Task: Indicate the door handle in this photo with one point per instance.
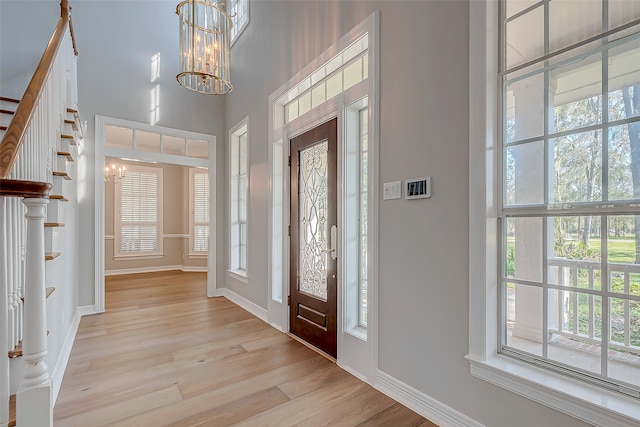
(332, 251)
(332, 243)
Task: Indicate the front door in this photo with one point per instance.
(314, 265)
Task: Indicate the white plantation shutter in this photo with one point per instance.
(200, 206)
(138, 216)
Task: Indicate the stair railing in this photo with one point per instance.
(27, 152)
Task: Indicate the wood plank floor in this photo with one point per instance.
(166, 355)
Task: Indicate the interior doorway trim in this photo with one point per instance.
(357, 354)
(102, 151)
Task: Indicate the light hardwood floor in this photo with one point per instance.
(166, 355)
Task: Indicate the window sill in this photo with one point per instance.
(238, 275)
(154, 255)
(358, 332)
(575, 398)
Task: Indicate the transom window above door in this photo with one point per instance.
(155, 142)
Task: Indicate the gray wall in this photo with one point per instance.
(424, 244)
(423, 131)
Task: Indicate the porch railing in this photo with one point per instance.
(576, 319)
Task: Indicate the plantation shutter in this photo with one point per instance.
(200, 212)
(139, 212)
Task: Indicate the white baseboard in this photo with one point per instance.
(87, 310)
(65, 353)
(244, 303)
(193, 268)
(160, 268)
(141, 270)
(428, 407)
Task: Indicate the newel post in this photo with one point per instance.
(34, 399)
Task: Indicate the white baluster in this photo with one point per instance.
(4, 316)
(34, 399)
(11, 277)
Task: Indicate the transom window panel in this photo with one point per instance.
(570, 193)
(139, 212)
(199, 218)
(337, 75)
(238, 198)
(153, 142)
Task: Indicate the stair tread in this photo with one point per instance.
(65, 175)
(3, 111)
(3, 128)
(58, 197)
(71, 110)
(54, 224)
(49, 292)
(12, 411)
(4, 98)
(51, 255)
(16, 352)
(71, 138)
(67, 155)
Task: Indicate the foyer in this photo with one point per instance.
(163, 354)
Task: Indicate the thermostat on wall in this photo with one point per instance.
(417, 188)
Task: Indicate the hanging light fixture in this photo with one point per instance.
(114, 173)
(204, 47)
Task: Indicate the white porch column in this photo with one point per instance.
(34, 398)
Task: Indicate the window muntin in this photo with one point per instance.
(199, 211)
(569, 202)
(239, 188)
(138, 213)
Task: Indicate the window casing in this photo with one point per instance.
(238, 199)
(138, 213)
(569, 193)
(198, 211)
(238, 10)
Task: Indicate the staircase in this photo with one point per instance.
(39, 139)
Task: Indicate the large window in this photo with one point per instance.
(138, 204)
(238, 197)
(569, 205)
(199, 211)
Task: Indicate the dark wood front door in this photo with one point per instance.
(314, 266)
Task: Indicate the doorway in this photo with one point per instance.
(313, 237)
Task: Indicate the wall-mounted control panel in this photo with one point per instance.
(392, 190)
(417, 188)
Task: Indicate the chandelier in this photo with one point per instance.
(114, 173)
(204, 47)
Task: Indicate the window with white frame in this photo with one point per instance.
(238, 197)
(138, 212)
(199, 211)
(238, 10)
(569, 186)
(364, 215)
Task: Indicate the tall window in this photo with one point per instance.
(364, 228)
(569, 215)
(238, 10)
(138, 213)
(238, 197)
(199, 211)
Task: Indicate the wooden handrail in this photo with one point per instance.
(17, 129)
(28, 189)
